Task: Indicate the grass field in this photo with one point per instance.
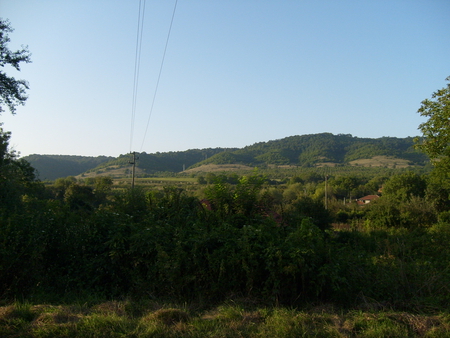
(151, 319)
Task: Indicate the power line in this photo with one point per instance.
(159, 75)
(137, 62)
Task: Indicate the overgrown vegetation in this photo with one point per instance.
(248, 238)
(238, 319)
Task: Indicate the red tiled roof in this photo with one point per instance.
(369, 198)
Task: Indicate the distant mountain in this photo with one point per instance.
(51, 167)
(305, 150)
(174, 161)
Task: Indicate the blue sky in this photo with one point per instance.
(236, 72)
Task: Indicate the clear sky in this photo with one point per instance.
(236, 72)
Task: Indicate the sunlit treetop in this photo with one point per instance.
(12, 91)
(436, 131)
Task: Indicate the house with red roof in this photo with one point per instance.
(367, 199)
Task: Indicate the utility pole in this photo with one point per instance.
(326, 192)
(134, 169)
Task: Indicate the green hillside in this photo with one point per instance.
(173, 161)
(311, 150)
(301, 150)
(51, 167)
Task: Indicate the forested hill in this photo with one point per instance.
(173, 161)
(304, 150)
(51, 167)
(315, 149)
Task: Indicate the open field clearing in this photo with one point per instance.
(156, 181)
(112, 171)
(381, 161)
(163, 179)
(218, 168)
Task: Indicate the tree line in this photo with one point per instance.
(247, 239)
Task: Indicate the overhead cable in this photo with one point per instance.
(159, 75)
(137, 61)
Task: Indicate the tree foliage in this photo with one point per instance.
(403, 187)
(167, 244)
(52, 167)
(17, 177)
(436, 130)
(12, 91)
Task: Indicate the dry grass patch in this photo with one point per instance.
(381, 161)
(5, 312)
(58, 320)
(61, 316)
(112, 307)
(19, 311)
(418, 324)
(169, 317)
(208, 168)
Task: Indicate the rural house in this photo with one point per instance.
(367, 199)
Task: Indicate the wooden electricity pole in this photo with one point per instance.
(134, 169)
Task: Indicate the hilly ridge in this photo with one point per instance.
(50, 167)
(312, 150)
(301, 150)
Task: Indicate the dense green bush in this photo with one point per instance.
(245, 239)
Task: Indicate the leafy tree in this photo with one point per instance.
(436, 143)
(417, 212)
(307, 207)
(295, 179)
(293, 191)
(438, 191)
(17, 177)
(5, 155)
(89, 181)
(345, 186)
(241, 199)
(79, 197)
(246, 193)
(103, 184)
(210, 178)
(12, 91)
(233, 178)
(313, 177)
(61, 185)
(436, 131)
(383, 213)
(403, 187)
(102, 188)
(375, 183)
(201, 180)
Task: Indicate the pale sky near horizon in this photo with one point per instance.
(236, 72)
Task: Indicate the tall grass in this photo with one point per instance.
(152, 319)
